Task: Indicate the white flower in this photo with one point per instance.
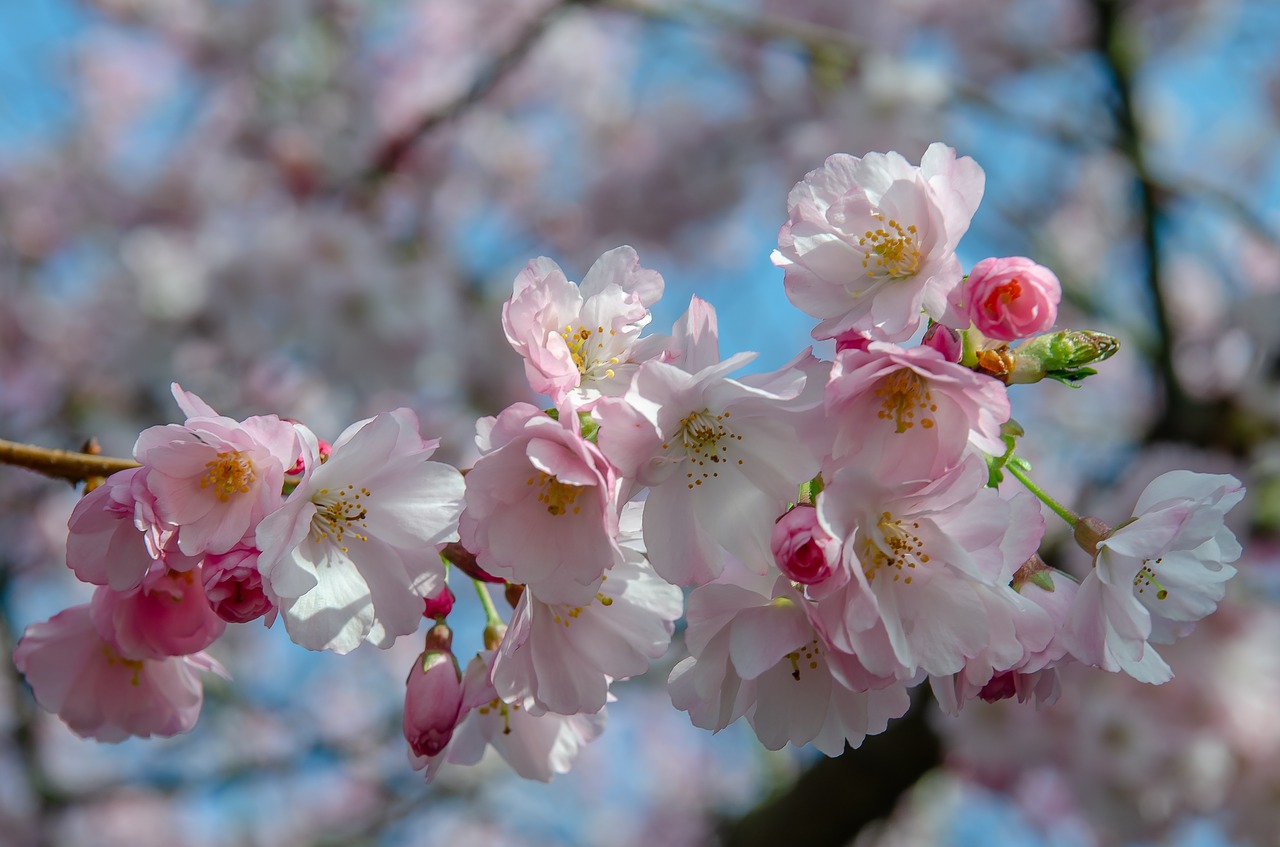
(1156, 575)
(352, 553)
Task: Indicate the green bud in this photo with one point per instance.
(1061, 356)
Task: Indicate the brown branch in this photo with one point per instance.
(392, 153)
(61, 464)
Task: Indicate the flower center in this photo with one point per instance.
(903, 393)
(567, 615)
(558, 496)
(705, 439)
(905, 550)
(1146, 578)
(588, 351)
(1001, 297)
(807, 655)
(890, 250)
(114, 658)
(338, 514)
(503, 709)
(230, 473)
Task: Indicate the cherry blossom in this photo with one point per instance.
(101, 693)
(351, 555)
(924, 557)
(582, 340)
(1010, 298)
(719, 456)
(564, 657)
(909, 414)
(1156, 574)
(215, 477)
(870, 241)
(542, 505)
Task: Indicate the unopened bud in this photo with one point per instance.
(493, 635)
(440, 605)
(1061, 356)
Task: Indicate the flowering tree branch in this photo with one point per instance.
(392, 153)
(70, 465)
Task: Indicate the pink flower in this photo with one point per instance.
(759, 652)
(802, 549)
(581, 340)
(723, 457)
(945, 340)
(910, 414)
(433, 695)
(351, 554)
(1010, 298)
(535, 745)
(1156, 575)
(542, 505)
(233, 584)
(870, 243)
(564, 657)
(168, 615)
(99, 693)
(115, 538)
(214, 477)
(924, 559)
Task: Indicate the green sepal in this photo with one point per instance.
(1010, 432)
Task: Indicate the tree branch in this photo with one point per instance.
(62, 464)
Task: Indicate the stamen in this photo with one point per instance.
(231, 473)
(904, 393)
(1146, 576)
(558, 496)
(891, 250)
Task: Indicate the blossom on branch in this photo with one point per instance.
(351, 554)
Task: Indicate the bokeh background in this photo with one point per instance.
(315, 207)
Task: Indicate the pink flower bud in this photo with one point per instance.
(1001, 687)
(432, 701)
(945, 340)
(440, 605)
(1012, 298)
(234, 586)
(803, 549)
(852, 340)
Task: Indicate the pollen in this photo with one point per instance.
(705, 440)
(890, 250)
(560, 497)
(229, 474)
(590, 350)
(340, 515)
(1146, 578)
(900, 552)
(905, 400)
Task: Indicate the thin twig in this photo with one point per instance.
(61, 464)
(396, 149)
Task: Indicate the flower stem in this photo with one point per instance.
(61, 464)
(1060, 510)
(490, 610)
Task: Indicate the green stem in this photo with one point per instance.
(1060, 510)
(969, 353)
(490, 610)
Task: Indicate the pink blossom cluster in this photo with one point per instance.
(842, 530)
(231, 521)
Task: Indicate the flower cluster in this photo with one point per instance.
(843, 529)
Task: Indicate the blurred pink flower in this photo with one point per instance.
(100, 694)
